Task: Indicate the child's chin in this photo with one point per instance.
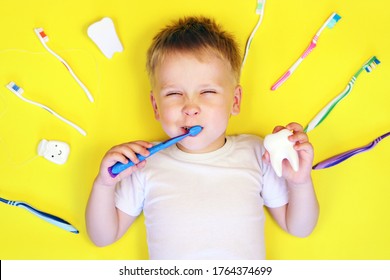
(191, 146)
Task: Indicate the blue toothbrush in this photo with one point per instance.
(119, 167)
(43, 215)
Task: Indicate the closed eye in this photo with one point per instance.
(173, 94)
(208, 92)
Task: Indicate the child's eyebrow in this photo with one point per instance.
(169, 87)
(215, 85)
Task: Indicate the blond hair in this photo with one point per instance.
(198, 35)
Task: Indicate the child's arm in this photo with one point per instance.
(300, 215)
(106, 223)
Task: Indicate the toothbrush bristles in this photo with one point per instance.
(333, 21)
(15, 88)
(371, 64)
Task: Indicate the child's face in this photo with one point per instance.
(188, 91)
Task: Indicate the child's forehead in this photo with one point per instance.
(201, 55)
(180, 61)
(176, 58)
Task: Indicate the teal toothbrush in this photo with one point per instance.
(368, 66)
(43, 215)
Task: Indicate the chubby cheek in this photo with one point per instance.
(168, 120)
(219, 119)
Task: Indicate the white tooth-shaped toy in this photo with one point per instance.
(54, 151)
(279, 148)
(104, 35)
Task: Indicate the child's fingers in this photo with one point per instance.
(130, 150)
(144, 144)
(296, 127)
(299, 137)
(278, 128)
(305, 147)
(139, 147)
(114, 156)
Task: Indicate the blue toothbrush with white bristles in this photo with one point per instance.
(43, 215)
(18, 91)
(119, 167)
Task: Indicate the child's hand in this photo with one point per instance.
(305, 154)
(122, 153)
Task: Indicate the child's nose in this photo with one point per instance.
(191, 109)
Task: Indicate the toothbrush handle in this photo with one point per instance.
(119, 167)
(289, 72)
(310, 48)
(332, 161)
(321, 116)
(281, 80)
(51, 111)
(67, 66)
(57, 221)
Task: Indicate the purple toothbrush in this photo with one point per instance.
(343, 156)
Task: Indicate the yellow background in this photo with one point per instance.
(354, 196)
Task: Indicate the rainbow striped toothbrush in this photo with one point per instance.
(44, 39)
(344, 156)
(43, 215)
(330, 22)
(368, 66)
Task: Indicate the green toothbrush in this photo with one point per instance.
(368, 66)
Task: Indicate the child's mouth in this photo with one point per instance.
(186, 129)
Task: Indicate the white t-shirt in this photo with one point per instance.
(204, 206)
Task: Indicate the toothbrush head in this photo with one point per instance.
(194, 130)
(371, 64)
(41, 34)
(334, 18)
(14, 88)
(260, 7)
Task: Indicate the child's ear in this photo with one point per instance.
(237, 100)
(154, 105)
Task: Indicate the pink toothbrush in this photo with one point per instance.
(330, 22)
